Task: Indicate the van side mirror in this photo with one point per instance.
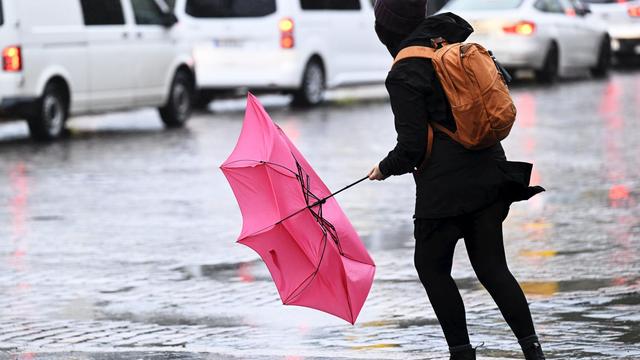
(169, 19)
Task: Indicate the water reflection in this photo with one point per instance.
(619, 193)
(245, 274)
(19, 212)
(18, 209)
(527, 120)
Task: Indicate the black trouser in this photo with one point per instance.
(482, 232)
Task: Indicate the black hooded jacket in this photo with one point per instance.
(455, 180)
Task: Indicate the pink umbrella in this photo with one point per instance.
(292, 220)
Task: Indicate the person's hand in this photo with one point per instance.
(376, 174)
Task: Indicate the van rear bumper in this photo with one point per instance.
(229, 69)
(17, 107)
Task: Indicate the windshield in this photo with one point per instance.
(484, 5)
(230, 8)
(604, 1)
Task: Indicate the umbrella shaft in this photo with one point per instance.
(322, 201)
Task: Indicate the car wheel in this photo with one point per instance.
(313, 87)
(177, 110)
(604, 59)
(549, 72)
(50, 115)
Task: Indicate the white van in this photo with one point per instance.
(300, 47)
(62, 57)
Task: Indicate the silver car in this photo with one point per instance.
(623, 21)
(548, 36)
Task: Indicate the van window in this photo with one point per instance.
(330, 4)
(1, 14)
(147, 12)
(102, 12)
(468, 5)
(230, 8)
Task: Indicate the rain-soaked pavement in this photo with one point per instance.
(118, 243)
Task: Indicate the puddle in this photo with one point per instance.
(223, 272)
(174, 319)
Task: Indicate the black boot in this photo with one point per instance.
(531, 348)
(464, 352)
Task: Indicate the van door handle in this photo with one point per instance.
(125, 35)
(139, 35)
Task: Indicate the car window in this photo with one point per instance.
(549, 6)
(102, 12)
(147, 12)
(330, 4)
(1, 14)
(230, 8)
(484, 5)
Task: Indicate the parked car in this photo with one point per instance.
(300, 47)
(548, 36)
(623, 21)
(82, 56)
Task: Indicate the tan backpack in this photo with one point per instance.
(477, 92)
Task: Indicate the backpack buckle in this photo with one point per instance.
(438, 42)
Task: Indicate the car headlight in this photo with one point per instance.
(615, 44)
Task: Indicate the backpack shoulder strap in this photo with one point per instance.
(415, 52)
(429, 150)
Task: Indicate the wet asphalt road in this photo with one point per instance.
(118, 242)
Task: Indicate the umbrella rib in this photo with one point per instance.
(327, 228)
(297, 292)
(263, 163)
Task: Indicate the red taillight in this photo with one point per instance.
(12, 59)
(634, 11)
(521, 28)
(286, 27)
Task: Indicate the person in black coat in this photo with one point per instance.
(435, 5)
(460, 193)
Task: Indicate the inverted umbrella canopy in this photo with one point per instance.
(291, 219)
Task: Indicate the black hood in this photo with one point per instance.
(450, 26)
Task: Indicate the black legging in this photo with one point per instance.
(482, 232)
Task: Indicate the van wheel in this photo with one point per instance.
(549, 72)
(601, 69)
(313, 87)
(178, 108)
(50, 115)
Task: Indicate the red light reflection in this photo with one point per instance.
(526, 110)
(619, 194)
(244, 273)
(18, 209)
(527, 118)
